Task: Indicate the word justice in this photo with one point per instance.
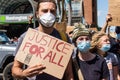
(48, 41)
(47, 48)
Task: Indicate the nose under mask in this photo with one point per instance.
(47, 19)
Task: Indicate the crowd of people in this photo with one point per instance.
(95, 56)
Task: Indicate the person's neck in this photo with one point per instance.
(101, 53)
(86, 56)
(45, 29)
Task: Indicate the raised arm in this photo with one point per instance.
(108, 19)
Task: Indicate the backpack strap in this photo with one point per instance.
(77, 69)
(63, 36)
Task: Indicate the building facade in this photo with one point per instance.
(90, 12)
(14, 14)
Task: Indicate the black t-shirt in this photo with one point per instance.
(95, 69)
(115, 46)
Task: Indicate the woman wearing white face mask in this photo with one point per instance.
(101, 45)
(86, 65)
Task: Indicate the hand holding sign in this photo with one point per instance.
(34, 70)
(40, 48)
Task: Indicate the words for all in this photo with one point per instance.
(39, 47)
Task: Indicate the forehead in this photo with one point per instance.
(47, 5)
(83, 37)
(104, 37)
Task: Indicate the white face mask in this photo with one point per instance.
(47, 19)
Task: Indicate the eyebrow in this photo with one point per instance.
(46, 10)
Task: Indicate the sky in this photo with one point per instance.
(102, 12)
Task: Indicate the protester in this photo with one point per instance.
(101, 44)
(46, 12)
(86, 65)
(69, 31)
(116, 45)
(114, 39)
(30, 24)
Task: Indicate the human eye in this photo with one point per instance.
(44, 10)
(53, 11)
(80, 39)
(87, 39)
(106, 40)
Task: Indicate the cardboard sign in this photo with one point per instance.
(41, 48)
(114, 10)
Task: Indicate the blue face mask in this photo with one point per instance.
(105, 47)
(83, 46)
(118, 36)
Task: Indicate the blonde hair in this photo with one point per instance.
(96, 39)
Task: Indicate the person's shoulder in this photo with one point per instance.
(23, 35)
(100, 58)
(111, 54)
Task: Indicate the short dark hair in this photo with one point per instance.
(117, 29)
(40, 1)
